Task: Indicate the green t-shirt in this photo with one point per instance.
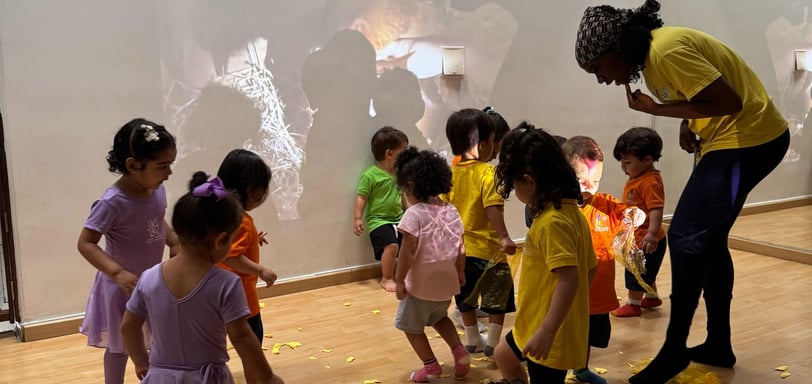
(384, 204)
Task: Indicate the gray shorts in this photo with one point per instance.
(414, 315)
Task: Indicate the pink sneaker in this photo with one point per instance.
(422, 376)
(651, 302)
(628, 310)
(462, 361)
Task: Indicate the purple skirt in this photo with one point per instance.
(105, 308)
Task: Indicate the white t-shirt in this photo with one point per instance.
(438, 228)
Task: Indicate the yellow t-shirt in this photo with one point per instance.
(557, 238)
(473, 190)
(683, 61)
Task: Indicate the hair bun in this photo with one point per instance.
(650, 7)
(198, 178)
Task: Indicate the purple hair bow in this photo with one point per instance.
(211, 187)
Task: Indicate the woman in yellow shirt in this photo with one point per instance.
(742, 138)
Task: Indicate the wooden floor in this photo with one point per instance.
(787, 227)
(772, 322)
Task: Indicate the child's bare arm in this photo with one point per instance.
(88, 246)
(655, 221)
(539, 344)
(408, 246)
(171, 240)
(358, 225)
(497, 218)
(460, 264)
(133, 338)
(245, 265)
(256, 367)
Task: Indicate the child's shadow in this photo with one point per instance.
(399, 103)
(339, 81)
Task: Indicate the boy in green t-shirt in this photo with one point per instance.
(379, 194)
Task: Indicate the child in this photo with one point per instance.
(528, 218)
(130, 216)
(637, 149)
(487, 273)
(191, 304)
(552, 324)
(604, 214)
(378, 193)
(501, 128)
(431, 267)
(247, 176)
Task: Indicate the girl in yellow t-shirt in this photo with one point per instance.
(552, 322)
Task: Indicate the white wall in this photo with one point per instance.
(72, 73)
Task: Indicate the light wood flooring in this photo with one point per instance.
(786, 227)
(772, 322)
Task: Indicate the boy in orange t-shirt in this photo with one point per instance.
(637, 149)
(604, 213)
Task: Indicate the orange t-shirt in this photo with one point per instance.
(246, 242)
(604, 213)
(645, 192)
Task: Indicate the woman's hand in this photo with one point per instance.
(687, 138)
(639, 101)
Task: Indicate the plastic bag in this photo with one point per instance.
(624, 246)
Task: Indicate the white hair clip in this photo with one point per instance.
(150, 134)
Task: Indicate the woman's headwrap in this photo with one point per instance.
(600, 28)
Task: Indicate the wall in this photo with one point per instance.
(285, 82)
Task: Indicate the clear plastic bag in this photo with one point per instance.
(625, 249)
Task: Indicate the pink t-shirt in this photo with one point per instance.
(438, 228)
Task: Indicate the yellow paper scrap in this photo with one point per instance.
(483, 358)
(326, 350)
(462, 333)
(278, 346)
(600, 371)
(299, 329)
(372, 381)
(269, 336)
(442, 375)
(438, 336)
(376, 311)
(230, 347)
(261, 304)
(326, 367)
(264, 348)
(350, 359)
(781, 368)
(347, 303)
(312, 357)
(784, 375)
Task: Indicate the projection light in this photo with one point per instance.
(803, 60)
(453, 61)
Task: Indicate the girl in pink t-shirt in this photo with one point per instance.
(431, 263)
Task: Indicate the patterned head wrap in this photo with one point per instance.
(601, 26)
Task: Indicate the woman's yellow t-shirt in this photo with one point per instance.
(683, 61)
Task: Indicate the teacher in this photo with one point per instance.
(742, 137)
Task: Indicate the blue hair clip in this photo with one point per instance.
(489, 110)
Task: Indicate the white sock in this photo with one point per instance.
(494, 334)
(472, 335)
(634, 302)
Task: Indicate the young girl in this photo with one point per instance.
(246, 174)
(191, 304)
(130, 215)
(431, 265)
(552, 323)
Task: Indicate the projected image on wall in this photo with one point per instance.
(305, 85)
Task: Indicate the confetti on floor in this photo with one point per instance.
(350, 359)
(372, 381)
(278, 346)
(782, 368)
(261, 304)
(347, 303)
(600, 371)
(299, 329)
(269, 336)
(694, 374)
(376, 311)
(784, 375)
(326, 350)
(312, 357)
